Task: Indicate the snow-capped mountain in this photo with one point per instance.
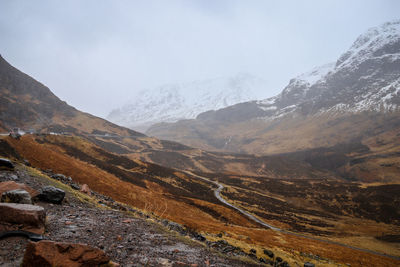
(366, 77)
(173, 102)
(363, 83)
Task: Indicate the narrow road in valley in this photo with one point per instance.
(220, 187)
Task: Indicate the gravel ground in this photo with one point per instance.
(129, 241)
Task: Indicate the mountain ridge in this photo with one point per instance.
(173, 102)
(363, 82)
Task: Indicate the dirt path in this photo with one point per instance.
(217, 193)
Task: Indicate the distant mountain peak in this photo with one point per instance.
(316, 74)
(372, 43)
(366, 77)
(173, 102)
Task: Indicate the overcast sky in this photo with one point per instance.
(95, 54)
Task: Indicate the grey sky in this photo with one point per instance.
(95, 54)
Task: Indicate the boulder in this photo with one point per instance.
(85, 189)
(11, 185)
(22, 217)
(309, 264)
(16, 196)
(6, 164)
(59, 176)
(13, 177)
(197, 236)
(50, 253)
(74, 186)
(51, 194)
(269, 253)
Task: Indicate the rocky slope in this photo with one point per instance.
(119, 164)
(135, 194)
(128, 238)
(173, 102)
(355, 98)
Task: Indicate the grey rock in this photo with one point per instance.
(309, 264)
(13, 177)
(51, 194)
(75, 186)
(269, 253)
(6, 164)
(177, 228)
(198, 237)
(58, 176)
(16, 196)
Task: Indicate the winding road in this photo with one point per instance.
(220, 187)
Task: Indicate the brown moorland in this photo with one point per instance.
(176, 196)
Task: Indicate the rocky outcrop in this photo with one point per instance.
(364, 80)
(269, 253)
(226, 248)
(11, 185)
(22, 216)
(49, 253)
(51, 194)
(16, 196)
(6, 164)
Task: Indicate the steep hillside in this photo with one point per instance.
(355, 99)
(173, 102)
(28, 104)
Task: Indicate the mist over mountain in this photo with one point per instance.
(173, 102)
(225, 174)
(364, 80)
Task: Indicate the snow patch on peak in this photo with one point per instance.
(371, 41)
(316, 74)
(173, 102)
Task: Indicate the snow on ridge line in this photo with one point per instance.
(316, 74)
(373, 39)
(173, 102)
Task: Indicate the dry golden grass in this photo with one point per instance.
(154, 199)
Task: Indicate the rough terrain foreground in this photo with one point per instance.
(127, 240)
